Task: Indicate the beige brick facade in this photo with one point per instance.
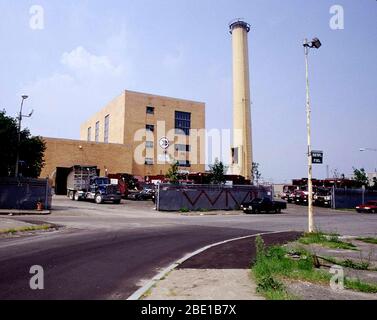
(127, 119)
(128, 116)
(66, 153)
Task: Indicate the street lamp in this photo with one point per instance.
(20, 116)
(315, 43)
(369, 149)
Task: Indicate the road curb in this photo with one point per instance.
(16, 212)
(141, 291)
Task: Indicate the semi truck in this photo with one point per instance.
(83, 183)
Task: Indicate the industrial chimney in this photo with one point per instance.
(242, 156)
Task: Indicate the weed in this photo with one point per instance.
(330, 241)
(26, 229)
(368, 240)
(360, 286)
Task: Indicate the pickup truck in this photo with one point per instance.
(83, 184)
(267, 205)
(322, 197)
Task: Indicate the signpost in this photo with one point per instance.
(317, 157)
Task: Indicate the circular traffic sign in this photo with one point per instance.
(164, 143)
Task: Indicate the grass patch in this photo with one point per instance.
(274, 264)
(277, 263)
(331, 241)
(184, 210)
(360, 286)
(368, 240)
(346, 209)
(26, 229)
(348, 263)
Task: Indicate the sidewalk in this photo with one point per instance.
(207, 284)
(6, 224)
(219, 273)
(223, 272)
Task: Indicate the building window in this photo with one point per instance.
(234, 155)
(182, 147)
(184, 163)
(149, 161)
(149, 144)
(150, 110)
(96, 138)
(149, 127)
(89, 134)
(106, 129)
(182, 122)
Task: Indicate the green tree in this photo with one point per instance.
(217, 172)
(255, 173)
(361, 177)
(374, 186)
(172, 173)
(31, 149)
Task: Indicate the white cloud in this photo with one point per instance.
(63, 100)
(80, 60)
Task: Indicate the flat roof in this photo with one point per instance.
(84, 141)
(161, 96)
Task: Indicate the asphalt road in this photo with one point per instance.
(108, 251)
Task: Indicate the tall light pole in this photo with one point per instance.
(369, 149)
(315, 43)
(20, 116)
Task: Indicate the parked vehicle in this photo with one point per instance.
(369, 207)
(301, 197)
(322, 197)
(288, 193)
(145, 194)
(267, 205)
(83, 184)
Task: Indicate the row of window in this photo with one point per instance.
(181, 163)
(182, 125)
(178, 147)
(96, 132)
(182, 122)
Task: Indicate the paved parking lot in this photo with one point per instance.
(109, 251)
(141, 214)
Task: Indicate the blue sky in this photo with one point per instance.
(89, 51)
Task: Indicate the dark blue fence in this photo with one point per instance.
(350, 198)
(207, 197)
(24, 193)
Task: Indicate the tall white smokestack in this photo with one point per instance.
(242, 139)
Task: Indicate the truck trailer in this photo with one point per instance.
(84, 184)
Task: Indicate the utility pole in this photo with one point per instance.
(315, 43)
(20, 116)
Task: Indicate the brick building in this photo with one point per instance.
(136, 133)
